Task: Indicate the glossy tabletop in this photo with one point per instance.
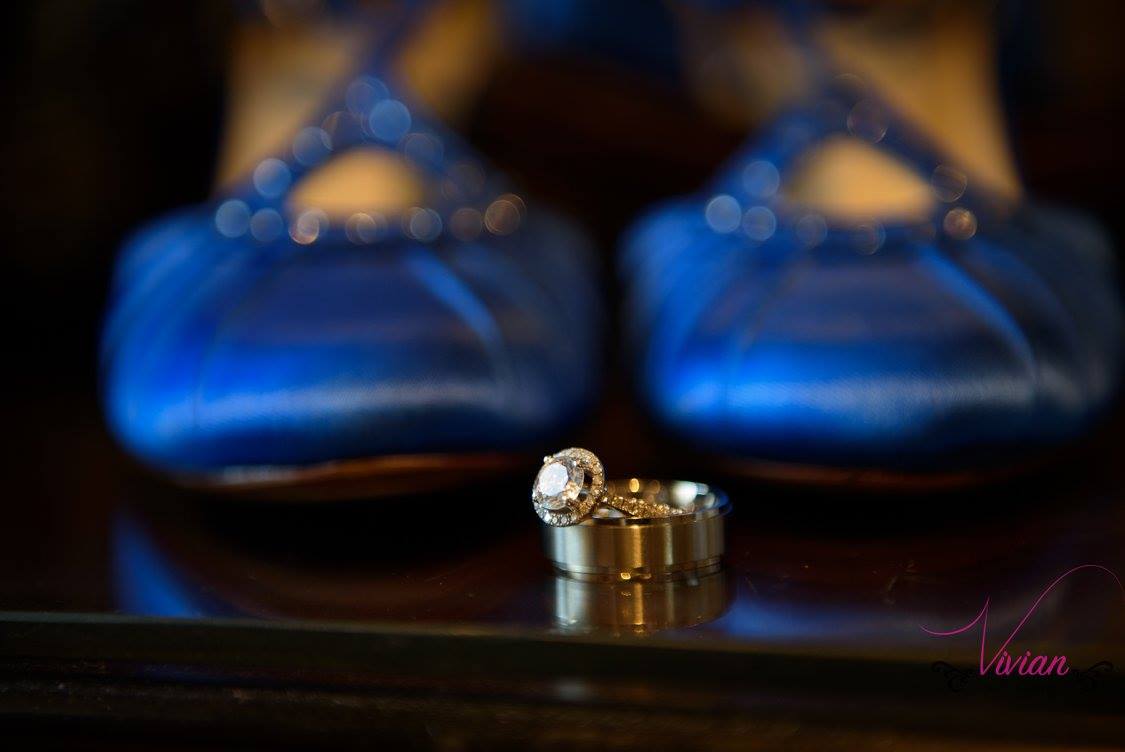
(827, 596)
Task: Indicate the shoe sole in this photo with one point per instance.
(372, 477)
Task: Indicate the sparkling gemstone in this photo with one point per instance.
(552, 479)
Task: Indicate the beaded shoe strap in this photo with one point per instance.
(465, 198)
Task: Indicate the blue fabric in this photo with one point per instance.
(147, 582)
(898, 346)
(220, 351)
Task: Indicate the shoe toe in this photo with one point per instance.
(903, 358)
(336, 351)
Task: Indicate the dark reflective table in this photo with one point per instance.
(129, 604)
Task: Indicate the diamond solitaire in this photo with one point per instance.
(551, 482)
(568, 487)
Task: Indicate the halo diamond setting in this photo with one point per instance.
(568, 487)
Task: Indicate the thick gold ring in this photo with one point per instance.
(609, 546)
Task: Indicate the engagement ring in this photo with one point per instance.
(571, 487)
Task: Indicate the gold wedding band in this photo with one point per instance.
(626, 529)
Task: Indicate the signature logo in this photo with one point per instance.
(1006, 661)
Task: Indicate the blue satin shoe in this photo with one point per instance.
(250, 347)
(958, 344)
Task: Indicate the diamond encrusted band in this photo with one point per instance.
(571, 487)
